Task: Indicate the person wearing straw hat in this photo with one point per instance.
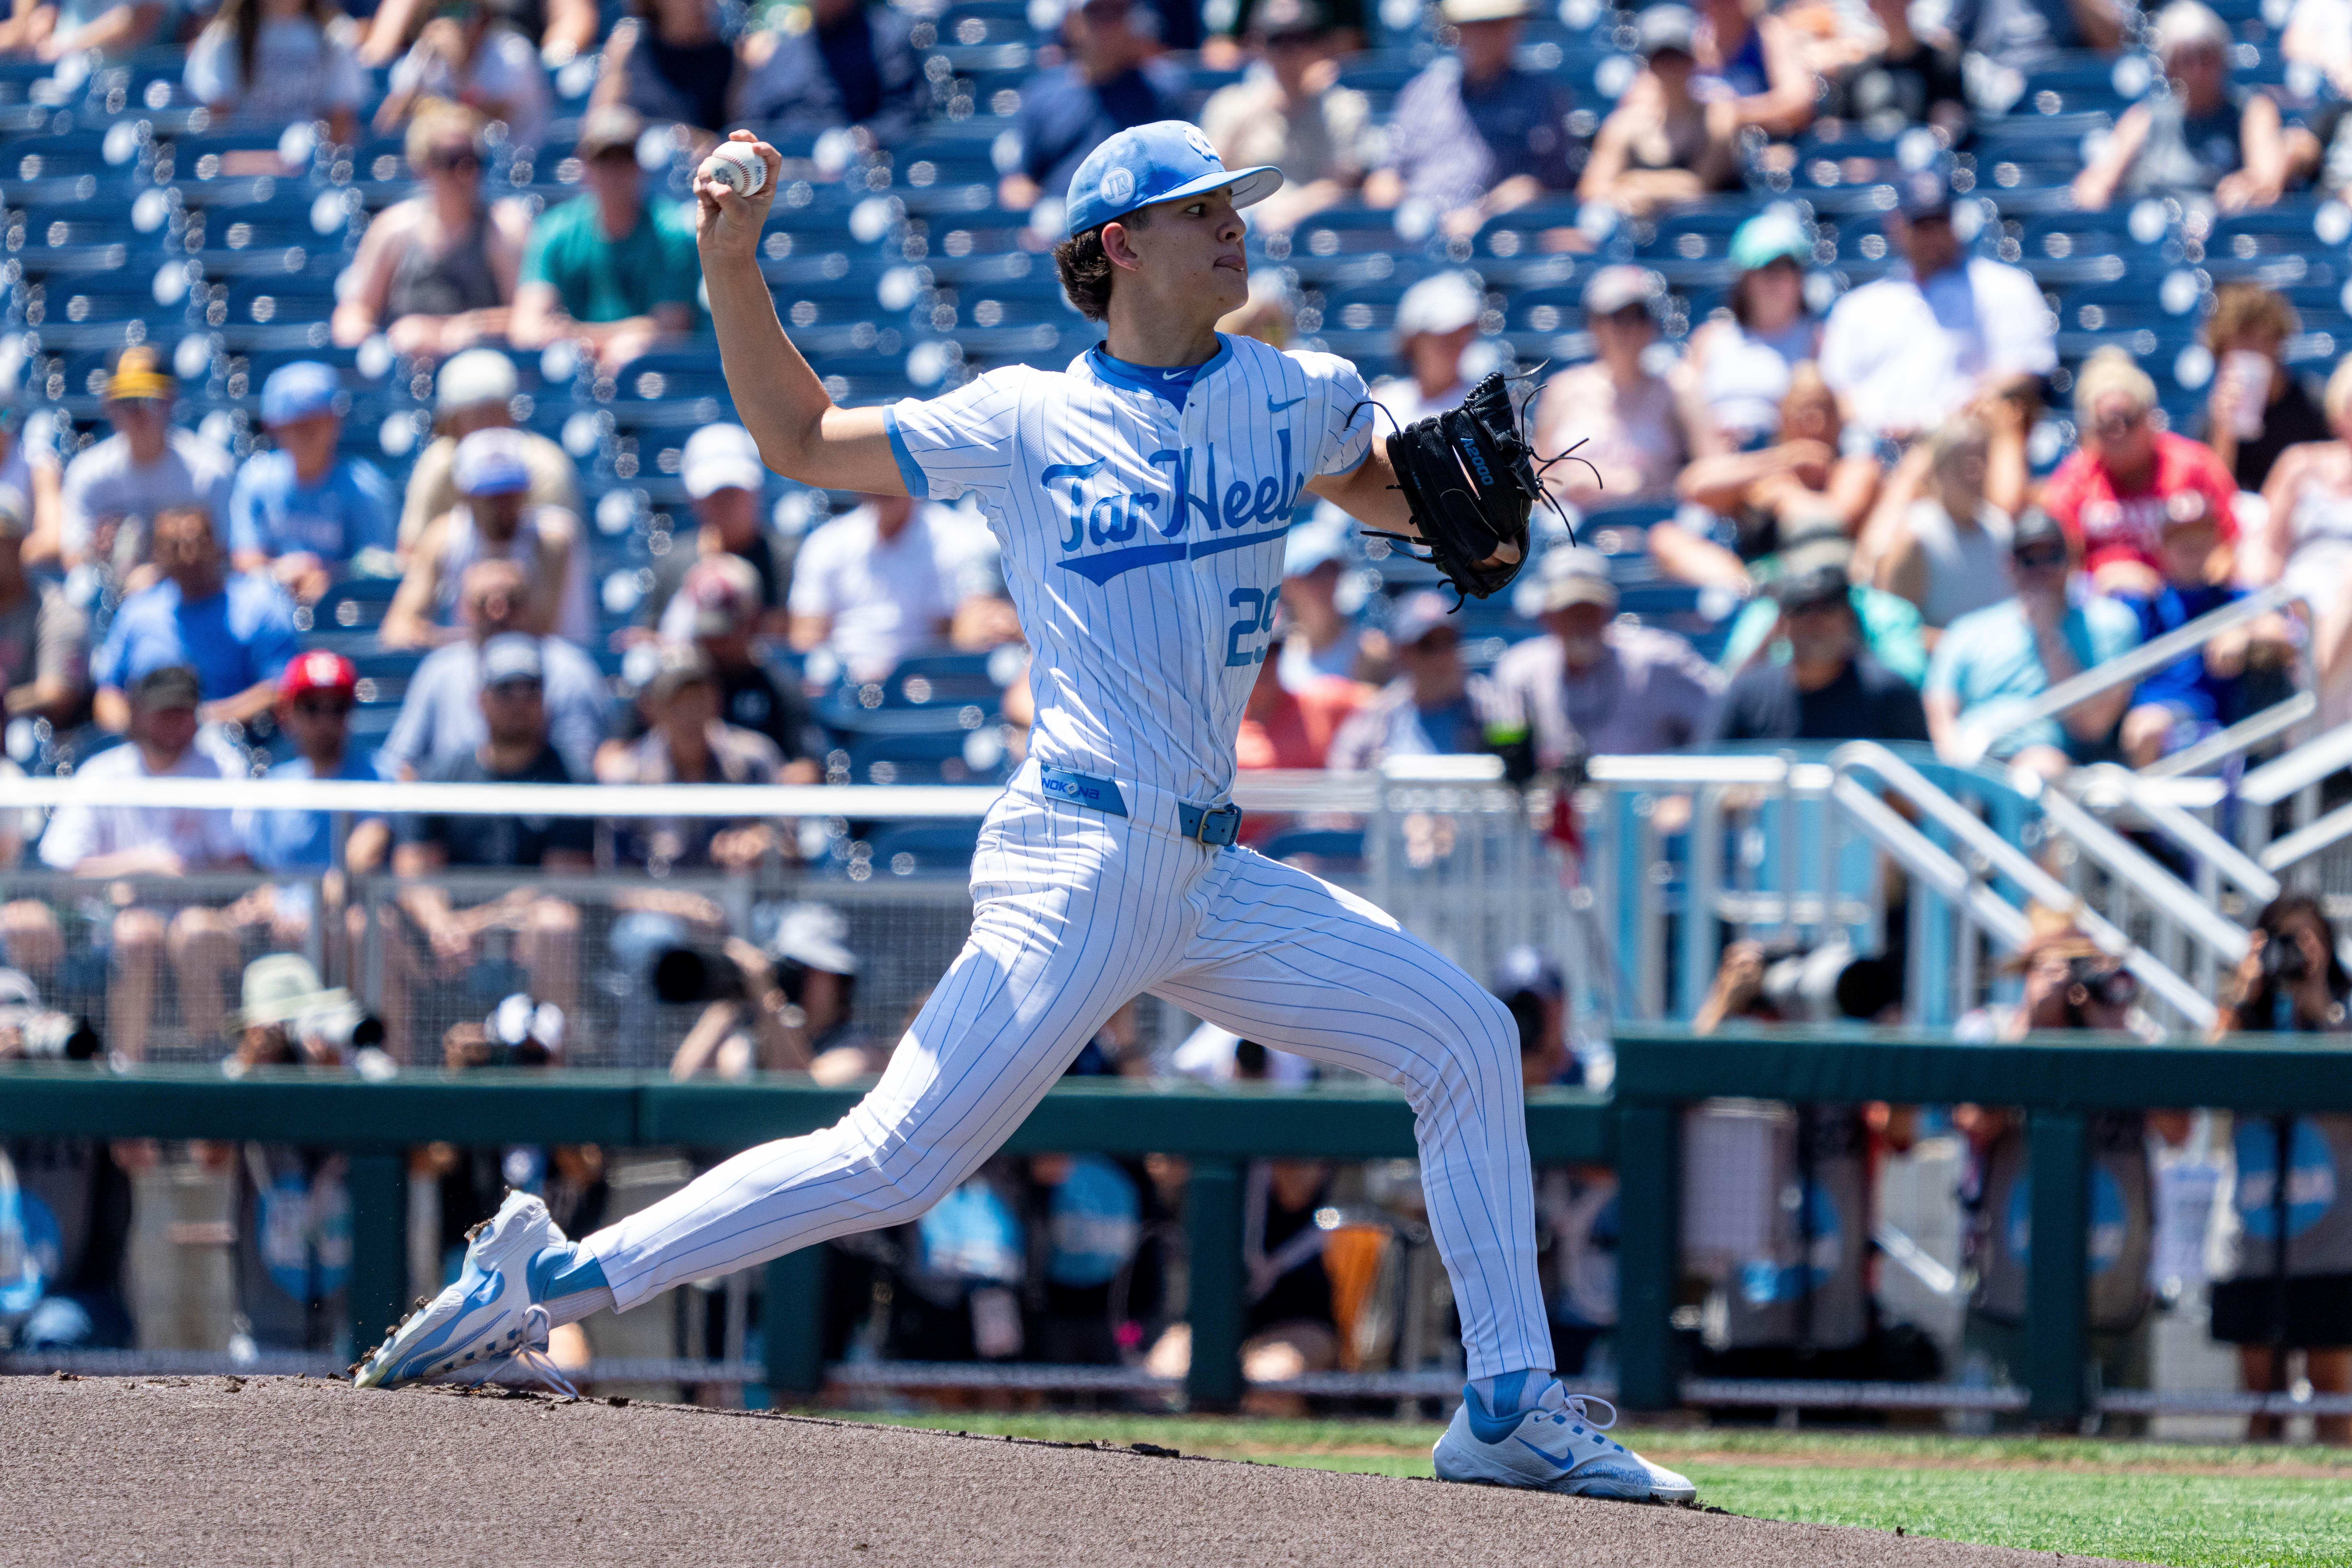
(144, 467)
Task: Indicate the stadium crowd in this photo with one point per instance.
(1915, 360)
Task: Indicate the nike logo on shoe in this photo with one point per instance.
(1273, 407)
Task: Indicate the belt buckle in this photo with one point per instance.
(1226, 813)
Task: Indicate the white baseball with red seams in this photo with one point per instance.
(736, 166)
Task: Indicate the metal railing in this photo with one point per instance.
(1977, 738)
(2058, 1080)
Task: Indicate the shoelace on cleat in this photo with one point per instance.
(537, 1361)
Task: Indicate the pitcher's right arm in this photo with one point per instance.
(801, 434)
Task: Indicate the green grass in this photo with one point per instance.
(2173, 1504)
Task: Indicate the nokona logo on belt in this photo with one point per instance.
(1072, 787)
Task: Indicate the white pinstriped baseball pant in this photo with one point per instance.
(1076, 912)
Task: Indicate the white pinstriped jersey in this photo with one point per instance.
(1142, 539)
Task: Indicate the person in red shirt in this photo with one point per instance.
(2113, 495)
(1283, 728)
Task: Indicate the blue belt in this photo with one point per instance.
(1215, 825)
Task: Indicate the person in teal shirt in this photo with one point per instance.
(1890, 624)
(609, 267)
(1996, 660)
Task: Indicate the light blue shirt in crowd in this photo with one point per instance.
(1988, 659)
(240, 637)
(288, 841)
(349, 511)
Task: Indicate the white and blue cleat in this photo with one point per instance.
(489, 1327)
(1554, 1446)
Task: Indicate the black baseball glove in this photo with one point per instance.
(1469, 477)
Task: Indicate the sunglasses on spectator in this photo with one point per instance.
(610, 156)
(454, 160)
(1436, 642)
(2120, 423)
(517, 689)
(323, 707)
(2039, 559)
(1627, 315)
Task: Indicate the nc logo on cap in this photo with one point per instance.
(1162, 162)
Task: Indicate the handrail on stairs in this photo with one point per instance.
(2014, 863)
(1976, 739)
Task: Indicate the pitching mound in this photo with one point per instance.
(115, 1470)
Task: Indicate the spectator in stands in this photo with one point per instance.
(1087, 1215)
(514, 749)
(2128, 475)
(2255, 407)
(1752, 70)
(724, 478)
(57, 29)
(561, 30)
(1809, 483)
(237, 631)
(2289, 1284)
(299, 514)
(687, 743)
(441, 714)
(1594, 686)
(1626, 417)
(2306, 541)
(2190, 698)
(2010, 38)
(1484, 137)
(669, 60)
(1434, 707)
(1910, 351)
(880, 583)
(806, 1019)
(718, 612)
(1114, 81)
(467, 54)
(475, 391)
(44, 638)
(1737, 369)
(1828, 688)
(144, 466)
(495, 521)
(437, 272)
(2205, 135)
(1323, 638)
(29, 465)
(1918, 347)
(1290, 111)
(1905, 80)
(1661, 146)
(1287, 728)
(1994, 661)
(1890, 625)
(156, 841)
(609, 268)
(1436, 324)
(269, 63)
(315, 696)
(1949, 554)
(853, 65)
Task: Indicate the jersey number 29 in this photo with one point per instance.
(1258, 622)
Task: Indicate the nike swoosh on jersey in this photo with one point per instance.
(1273, 407)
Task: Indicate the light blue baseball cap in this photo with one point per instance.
(1162, 162)
(297, 391)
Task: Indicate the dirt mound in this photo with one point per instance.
(193, 1470)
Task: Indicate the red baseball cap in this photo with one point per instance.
(317, 672)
